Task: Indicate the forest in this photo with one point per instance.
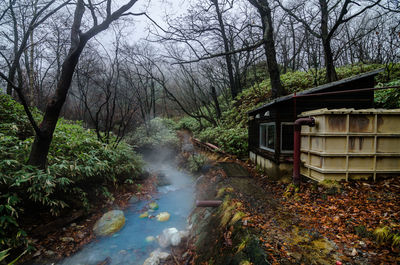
(87, 85)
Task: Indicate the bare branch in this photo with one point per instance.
(93, 13)
(247, 48)
(302, 21)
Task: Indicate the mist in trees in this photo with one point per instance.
(52, 56)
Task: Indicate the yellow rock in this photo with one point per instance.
(150, 239)
(163, 216)
(144, 215)
(109, 223)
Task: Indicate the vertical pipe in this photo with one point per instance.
(294, 106)
(297, 143)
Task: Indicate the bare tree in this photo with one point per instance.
(140, 73)
(79, 37)
(18, 36)
(264, 10)
(332, 15)
(210, 26)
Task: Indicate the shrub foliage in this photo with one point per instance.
(158, 132)
(78, 164)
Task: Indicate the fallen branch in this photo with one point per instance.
(208, 146)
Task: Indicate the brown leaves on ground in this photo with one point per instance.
(350, 214)
(347, 214)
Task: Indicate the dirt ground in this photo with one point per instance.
(312, 224)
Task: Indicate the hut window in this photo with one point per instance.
(287, 137)
(267, 136)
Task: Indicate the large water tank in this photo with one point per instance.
(351, 144)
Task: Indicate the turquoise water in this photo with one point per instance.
(129, 246)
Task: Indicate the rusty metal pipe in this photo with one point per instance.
(297, 143)
(215, 203)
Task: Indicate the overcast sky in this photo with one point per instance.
(156, 9)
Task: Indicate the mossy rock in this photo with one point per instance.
(153, 206)
(109, 223)
(144, 215)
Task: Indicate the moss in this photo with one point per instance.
(322, 245)
(223, 191)
(382, 235)
(314, 248)
(244, 245)
(236, 217)
(331, 184)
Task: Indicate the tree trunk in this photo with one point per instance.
(216, 103)
(153, 98)
(31, 72)
(294, 44)
(269, 46)
(41, 145)
(228, 59)
(329, 62)
(326, 43)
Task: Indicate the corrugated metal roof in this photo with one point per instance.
(320, 88)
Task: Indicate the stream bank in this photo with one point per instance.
(264, 221)
(152, 224)
(64, 236)
(250, 226)
(166, 185)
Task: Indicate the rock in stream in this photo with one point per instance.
(109, 223)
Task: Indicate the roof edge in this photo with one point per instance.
(320, 87)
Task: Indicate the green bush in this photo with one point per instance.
(158, 132)
(388, 98)
(78, 164)
(196, 162)
(13, 120)
(231, 140)
(189, 123)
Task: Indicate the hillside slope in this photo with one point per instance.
(231, 132)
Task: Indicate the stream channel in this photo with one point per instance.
(129, 245)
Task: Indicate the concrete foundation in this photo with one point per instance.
(271, 168)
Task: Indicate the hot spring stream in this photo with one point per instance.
(129, 245)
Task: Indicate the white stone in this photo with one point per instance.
(155, 257)
(171, 236)
(152, 260)
(175, 239)
(165, 238)
(163, 255)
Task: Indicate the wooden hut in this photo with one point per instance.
(271, 125)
